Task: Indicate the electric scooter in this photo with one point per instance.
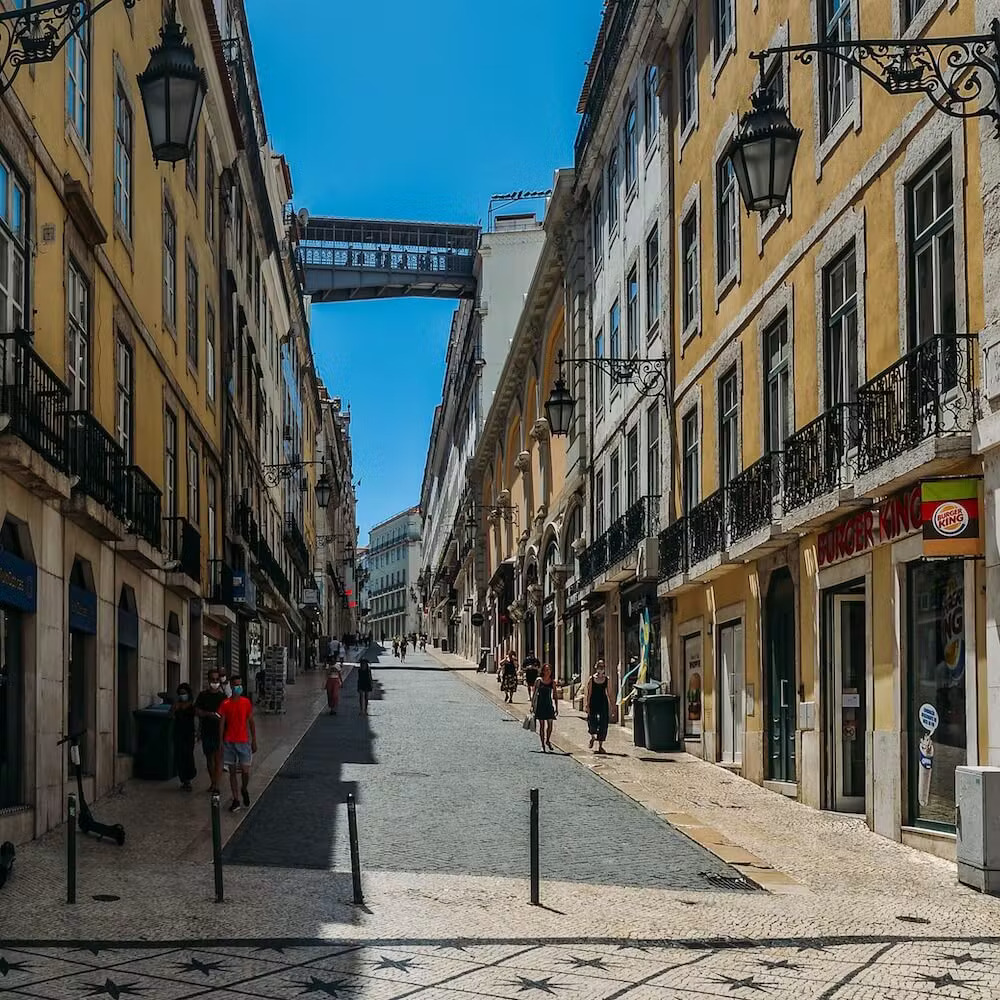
(85, 818)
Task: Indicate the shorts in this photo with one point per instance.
(234, 754)
(209, 745)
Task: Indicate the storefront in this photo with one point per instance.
(81, 681)
(127, 672)
(572, 643)
(691, 658)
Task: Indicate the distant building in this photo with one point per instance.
(393, 562)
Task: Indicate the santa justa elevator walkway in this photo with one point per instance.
(348, 259)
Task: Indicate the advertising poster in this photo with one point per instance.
(692, 686)
(950, 514)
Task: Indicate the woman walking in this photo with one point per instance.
(364, 684)
(546, 702)
(334, 681)
(508, 678)
(597, 705)
(184, 719)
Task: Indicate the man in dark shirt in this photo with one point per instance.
(206, 707)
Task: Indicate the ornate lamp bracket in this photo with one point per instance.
(647, 375)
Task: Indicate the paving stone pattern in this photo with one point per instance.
(442, 780)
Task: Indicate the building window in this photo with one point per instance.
(910, 9)
(614, 486)
(689, 263)
(652, 278)
(13, 269)
(78, 81)
(191, 174)
(169, 267)
(210, 375)
(723, 24)
(653, 451)
(599, 376)
(774, 82)
(170, 464)
(837, 77)
(729, 427)
(78, 295)
(632, 467)
(689, 471)
(212, 490)
(615, 328)
(932, 253)
(689, 76)
(632, 314)
(123, 160)
(778, 392)
(651, 106)
(840, 323)
(209, 193)
(728, 233)
(599, 504)
(191, 291)
(613, 190)
(194, 495)
(631, 147)
(125, 376)
(598, 229)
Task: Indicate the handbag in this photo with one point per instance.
(529, 723)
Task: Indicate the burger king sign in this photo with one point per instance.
(950, 514)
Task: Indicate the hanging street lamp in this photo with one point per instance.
(173, 89)
(560, 405)
(324, 490)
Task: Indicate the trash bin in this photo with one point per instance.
(154, 744)
(444, 645)
(641, 692)
(660, 721)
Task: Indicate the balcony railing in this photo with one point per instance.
(927, 393)
(182, 544)
(626, 532)
(34, 398)
(816, 457)
(272, 569)
(674, 549)
(296, 543)
(751, 496)
(143, 501)
(707, 527)
(96, 458)
(220, 581)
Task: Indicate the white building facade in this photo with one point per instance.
(393, 564)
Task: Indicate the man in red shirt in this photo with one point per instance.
(239, 741)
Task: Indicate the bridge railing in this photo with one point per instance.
(440, 262)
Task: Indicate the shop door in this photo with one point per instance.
(781, 677)
(850, 717)
(11, 710)
(731, 712)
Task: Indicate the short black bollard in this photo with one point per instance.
(71, 851)
(534, 846)
(352, 827)
(217, 845)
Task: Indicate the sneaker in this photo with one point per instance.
(235, 806)
(246, 797)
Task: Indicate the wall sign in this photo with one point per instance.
(899, 515)
(951, 517)
(18, 586)
(82, 610)
(692, 685)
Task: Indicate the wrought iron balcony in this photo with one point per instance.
(750, 497)
(623, 537)
(220, 582)
(707, 527)
(927, 393)
(296, 543)
(272, 569)
(816, 458)
(143, 501)
(34, 398)
(674, 549)
(96, 458)
(182, 545)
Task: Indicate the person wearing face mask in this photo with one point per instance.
(597, 705)
(184, 718)
(239, 742)
(207, 709)
(225, 686)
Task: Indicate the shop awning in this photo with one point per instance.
(504, 574)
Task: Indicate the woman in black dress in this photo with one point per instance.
(184, 719)
(508, 678)
(546, 702)
(364, 684)
(597, 705)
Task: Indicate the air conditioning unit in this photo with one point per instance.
(977, 821)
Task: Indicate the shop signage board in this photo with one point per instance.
(950, 513)
(899, 515)
(18, 582)
(477, 619)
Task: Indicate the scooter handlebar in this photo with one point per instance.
(71, 737)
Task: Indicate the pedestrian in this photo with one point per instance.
(225, 686)
(597, 705)
(239, 742)
(508, 678)
(206, 708)
(484, 659)
(184, 735)
(402, 651)
(546, 703)
(334, 682)
(395, 648)
(364, 684)
(531, 666)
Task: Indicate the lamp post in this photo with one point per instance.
(960, 74)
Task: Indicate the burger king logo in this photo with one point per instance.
(950, 519)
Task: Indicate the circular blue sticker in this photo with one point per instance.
(928, 716)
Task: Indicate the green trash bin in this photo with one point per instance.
(660, 718)
(642, 691)
(153, 757)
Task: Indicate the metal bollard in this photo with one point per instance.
(217, 845)
(533, 834)
(71, 851)
(352, 826)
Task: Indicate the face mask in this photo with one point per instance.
(182, 697)
(238, 689)
(214, 685)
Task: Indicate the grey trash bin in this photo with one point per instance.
(642, 691)
(660, 721)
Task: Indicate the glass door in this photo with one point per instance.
(731, 711)
(849, 642)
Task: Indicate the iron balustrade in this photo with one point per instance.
(183, 546)
(750, 497)
(926, 393)
(707, 527)
(143, 502)
(97, 460)
(816, 458)
(674, 549)
(220, 582)
(34, 398)
(418, 261)
(272, 570)
(296, 543)
(626, 532)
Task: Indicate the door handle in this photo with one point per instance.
(784, 700)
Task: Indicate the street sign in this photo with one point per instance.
(477, 619)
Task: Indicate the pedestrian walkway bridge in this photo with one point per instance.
(346, 259)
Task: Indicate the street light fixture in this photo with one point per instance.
(960, 74)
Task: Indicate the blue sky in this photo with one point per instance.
(403, 110)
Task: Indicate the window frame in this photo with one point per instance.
(598, 504)
(597, 224)
(653, 291)
(654, 479)
(613, 196)
(632, 312)
(632, 478)
(690, 472)
(191, 312)
(169, 463)
(191, 169)
(125, 397)
(631, 137)
(123, 158)
(16, 283)
(778, 373)
(169, 249)
(77, 104)
(209, 193)
(834, 320)
(690, 270)
(651, 107)
(727, 228)
(688, 78)
(598, 376)
(729, 426)
(193, 485)
(211, 375)
(615, 332)
(830, 30)
(723, 28)
(614, 486)
(79, 348)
